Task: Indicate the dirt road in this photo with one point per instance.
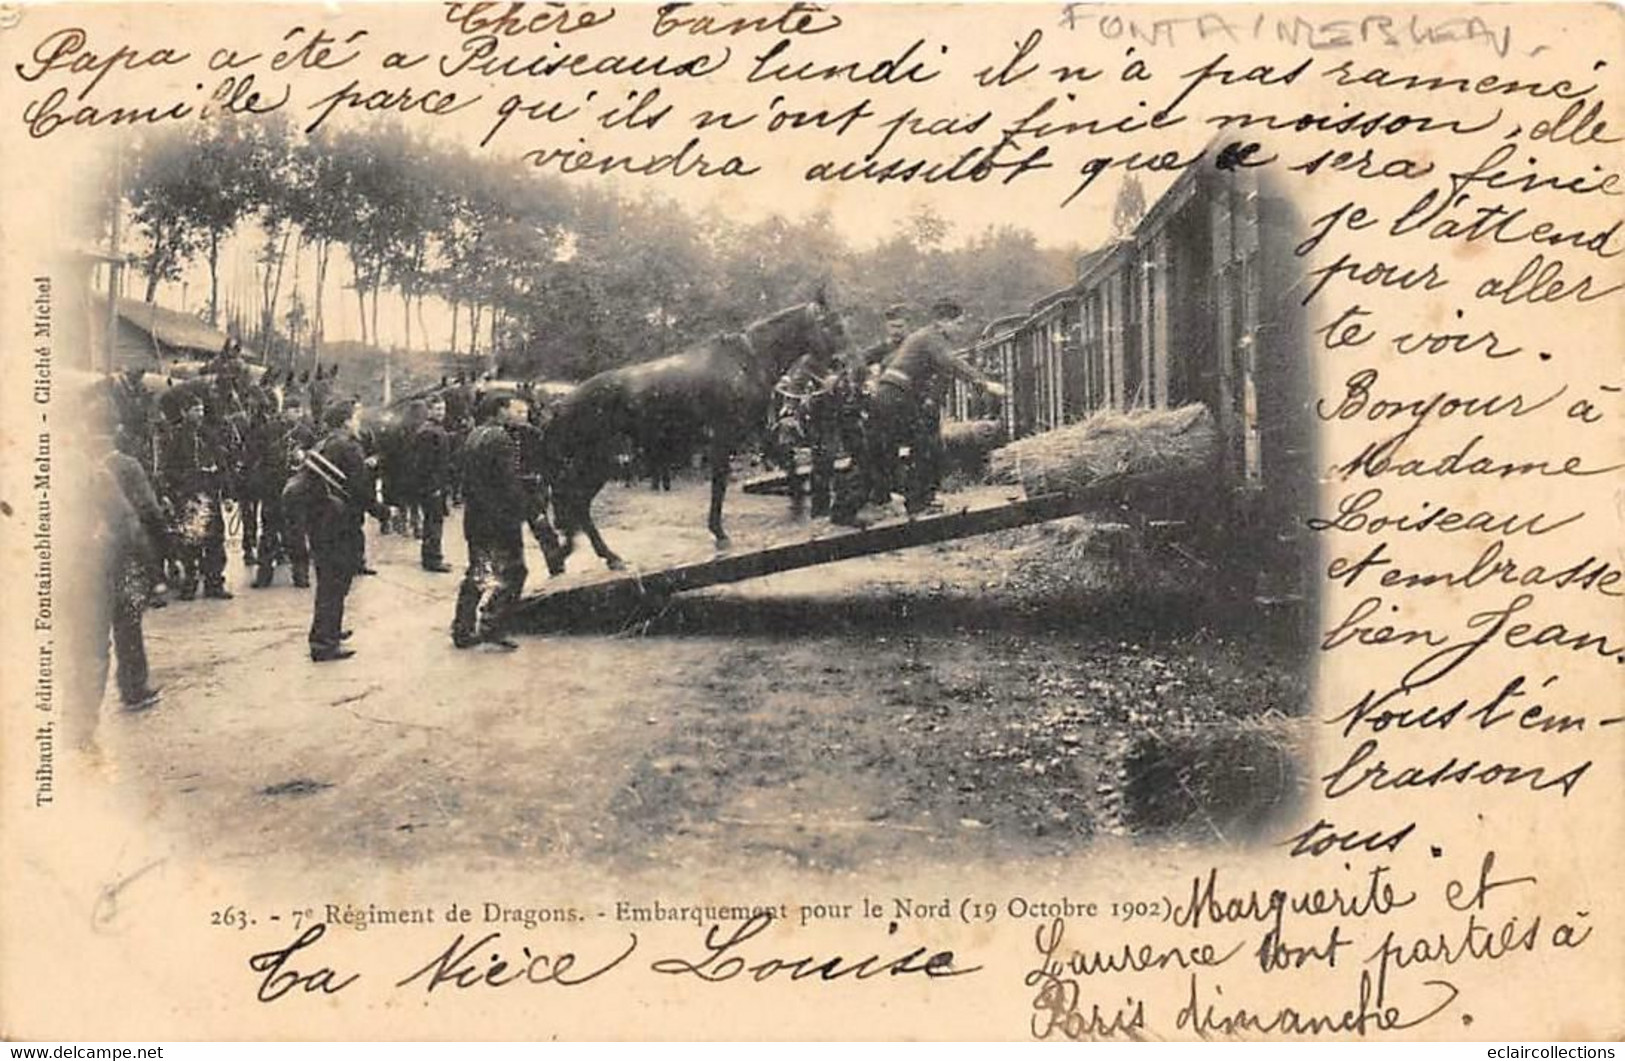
(999, 698)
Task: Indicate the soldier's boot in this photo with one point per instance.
(263, 576)
(301, 575)
(185, 581)
(465, 619)
(821, 492)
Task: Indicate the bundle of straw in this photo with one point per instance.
(1142, 448)
(973, 435)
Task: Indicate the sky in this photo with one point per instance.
(863, 213)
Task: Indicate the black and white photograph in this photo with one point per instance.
(798, 551)
(803, 492)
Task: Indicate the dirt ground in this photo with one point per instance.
(1020, 695)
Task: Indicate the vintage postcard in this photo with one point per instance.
(812, 521)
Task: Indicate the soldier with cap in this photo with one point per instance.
(137, 416)
(192, 468)
(336, 499)
(496, 507)
(904, 407)
(285, 438)
(861, 363)
(431, 460)
(808, 413)
(134, 535)
(858, 483)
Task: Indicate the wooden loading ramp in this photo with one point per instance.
(623, 592)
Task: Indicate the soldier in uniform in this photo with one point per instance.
(136, 532)
(496, 507)
(193, 472)
(904, 409)
(338, 499)
(122, 513)
(859, 483)
(248, 478)
(281, 441)
(430, 456)
(367, 437)
(808, 413)
(137, 419)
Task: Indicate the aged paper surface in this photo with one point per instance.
(1361, 781)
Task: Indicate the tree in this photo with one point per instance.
(1129, 207)
(320, 201)
(159, 195)
(925, 228)
(234, 164)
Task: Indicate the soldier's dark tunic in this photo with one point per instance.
(192, 468)
(248, 479)
(809, 413)
(134, 528)
(905, 410)
(137, 421)
(337, 540)
(858, 482)
(280, 443)
(496, 507)
(398, 474)
(430, 456)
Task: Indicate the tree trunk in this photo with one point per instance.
(406, 312)
(423, 329)
(293, 282)
(360, 298)
(317, 330)
(276, 291)
(389, 367)
(456, 312)
(474, 314)
(152, 266)
(214, 278)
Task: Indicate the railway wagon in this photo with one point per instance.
(1199, 303)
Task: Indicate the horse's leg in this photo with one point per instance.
(582, 519)
(553, 550)
(797, 487)
(719, 457)
(778, 453)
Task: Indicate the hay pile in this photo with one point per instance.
(1140, 448)
(965, 448)
(974, 435)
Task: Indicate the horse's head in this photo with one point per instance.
(808, 328)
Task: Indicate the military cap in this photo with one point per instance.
(946, 309)
(337, 414)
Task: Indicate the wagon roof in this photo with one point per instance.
(172, 328)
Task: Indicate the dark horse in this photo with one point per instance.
(716, 393)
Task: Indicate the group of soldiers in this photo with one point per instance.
(866, 406)
(301, 469)
(304, 469)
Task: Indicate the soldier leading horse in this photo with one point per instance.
(716, 393)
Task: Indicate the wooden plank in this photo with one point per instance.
(627, 590)
(779, 482)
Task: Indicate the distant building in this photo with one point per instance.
(152, 337)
